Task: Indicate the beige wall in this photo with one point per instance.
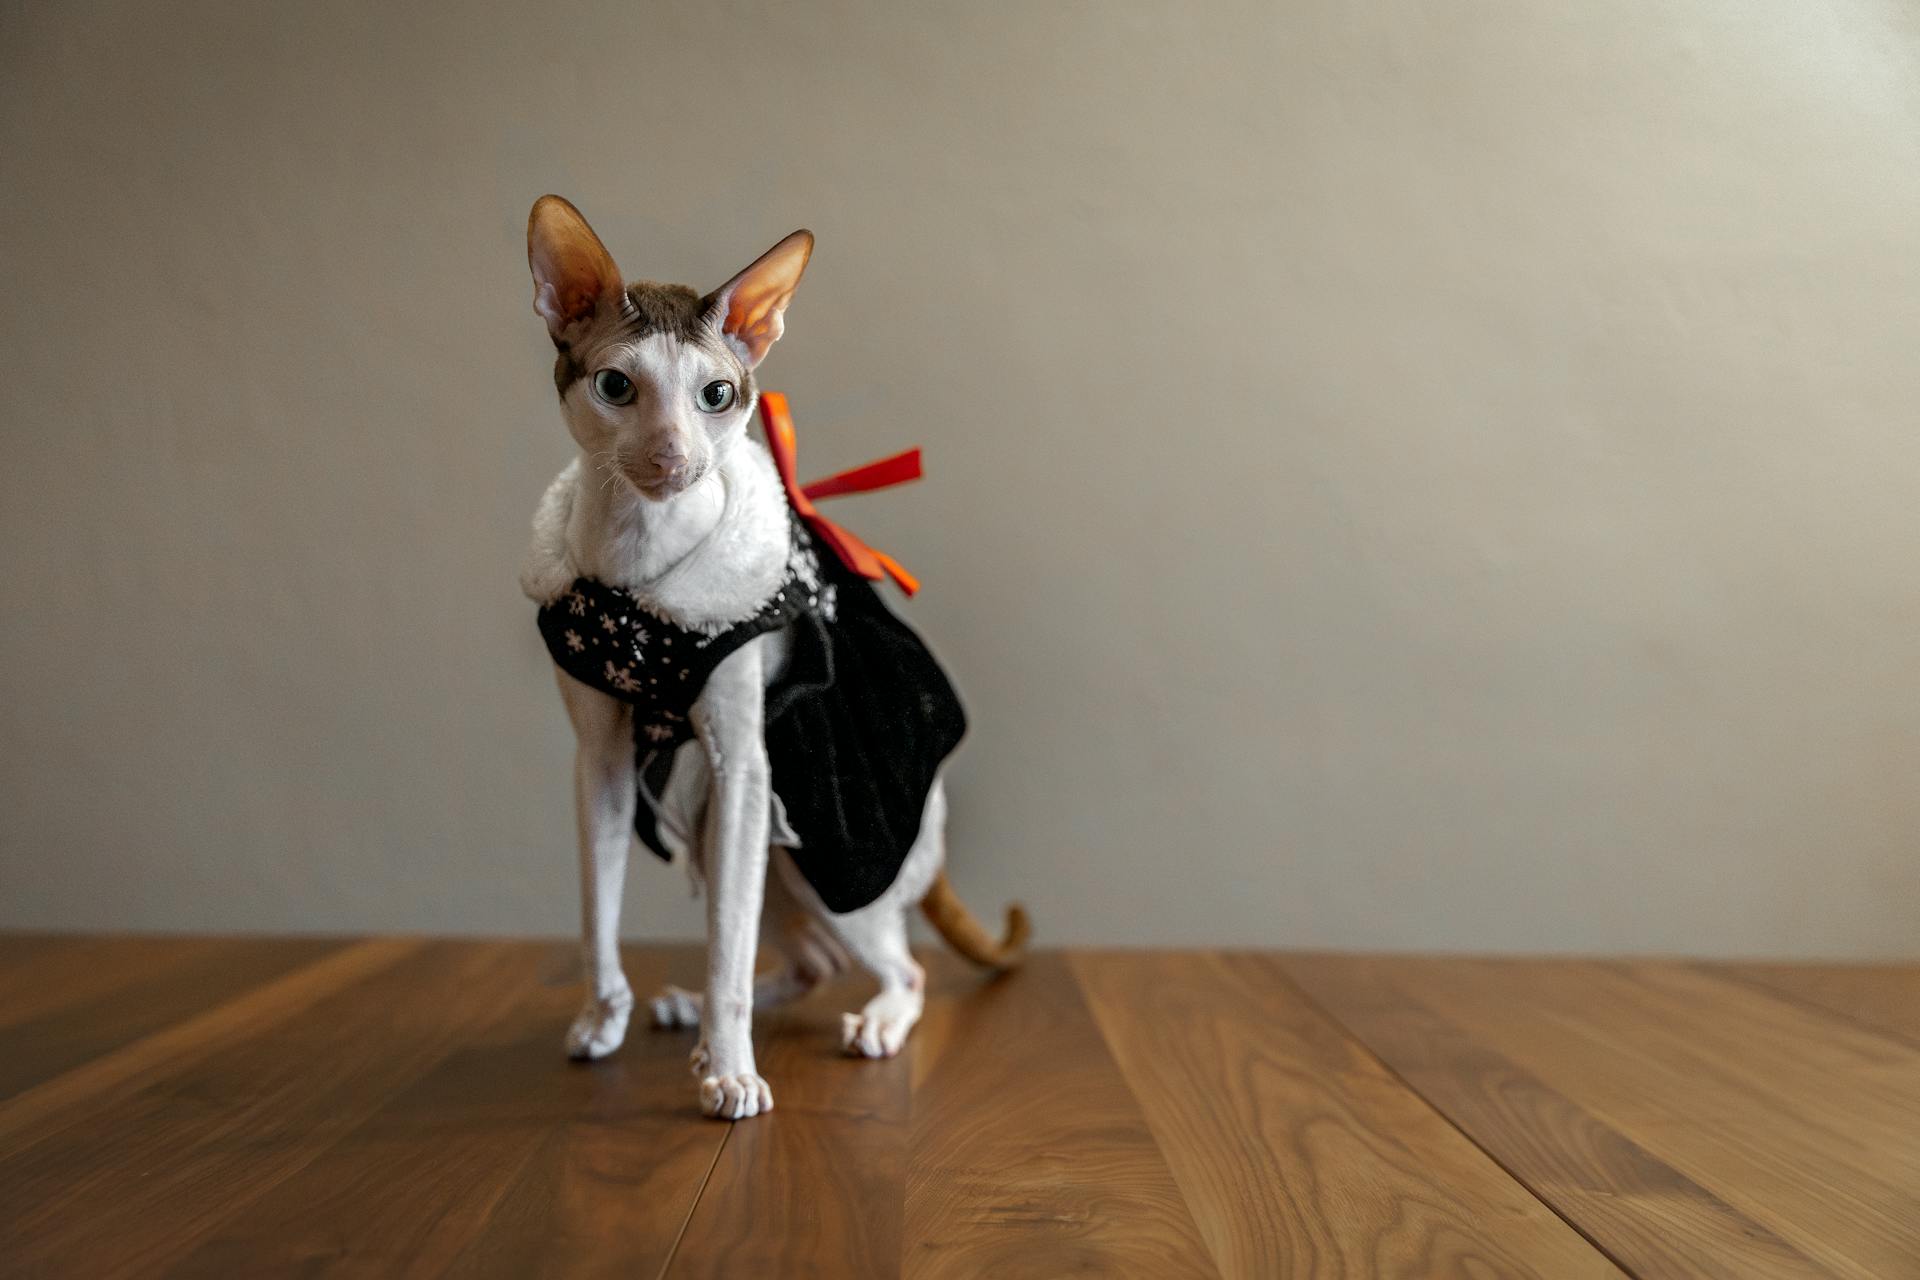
(1401, 475)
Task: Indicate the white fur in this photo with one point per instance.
(725, 540)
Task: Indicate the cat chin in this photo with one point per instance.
(666, 491)
(659, 491)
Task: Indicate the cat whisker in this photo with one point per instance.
(608, 462)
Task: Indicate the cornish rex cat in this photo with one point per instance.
(673, 524)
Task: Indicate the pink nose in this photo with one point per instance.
(669, 457)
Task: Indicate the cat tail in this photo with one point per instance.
(951, 919)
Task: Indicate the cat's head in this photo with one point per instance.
(656, 380)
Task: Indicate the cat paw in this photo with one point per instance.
(675, 1007)
(880, 1029)
(735, 1097)
(599, 1027)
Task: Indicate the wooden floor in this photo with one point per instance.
(255, 1107)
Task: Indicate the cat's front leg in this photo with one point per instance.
(728, 718)
(604, 796)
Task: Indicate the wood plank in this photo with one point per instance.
(815, 1188)
(951, 982)
(1801, 1122)
(233, 1107)
(1880, 1098)
(41, 1112)
(820, 1190)
(28, 963)
(115, 995)
(40, 975)
(23, 947)
(503, 1159)
(1029, 1155)
(610, 1188)
(164, 1141)
(1649, 1217)
(1298, 1152)
(1883, 997)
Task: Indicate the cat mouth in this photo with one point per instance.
(661, 487)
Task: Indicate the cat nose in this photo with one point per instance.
(668, 457)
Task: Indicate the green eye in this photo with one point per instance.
(613, 386)
(716, 396)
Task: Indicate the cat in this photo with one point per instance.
(675, 522)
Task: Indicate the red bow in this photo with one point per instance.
(855, 554)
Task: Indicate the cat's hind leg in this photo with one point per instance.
(809, 955)
(876, 937)
(675, 1007)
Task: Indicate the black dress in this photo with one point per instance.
(856, 726)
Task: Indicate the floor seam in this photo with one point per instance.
(699, 1194)
(1351, 1034)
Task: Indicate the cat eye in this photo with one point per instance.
(716, 396)
(613, 386)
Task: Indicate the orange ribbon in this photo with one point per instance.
(855, 554)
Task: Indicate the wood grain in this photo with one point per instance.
(1884, 998)
(38, 972)
(444, 1171)
(1300, 1153)
(1655, 1221)
(221, 1107)
(106, 997)
(42, 975)
(46, 1109)
(1029, 1155)
(149, 1138)
(610, 1187)
(1799, 1121)
(838, 1133)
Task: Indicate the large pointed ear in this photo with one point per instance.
(572, 271)
(752, 303)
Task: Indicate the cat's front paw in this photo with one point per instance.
(599, 1027)
(735, 1097)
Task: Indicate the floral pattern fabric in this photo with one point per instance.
(604, 637)
(858, 723)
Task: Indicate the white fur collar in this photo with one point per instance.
(732, 571)
(726, 575)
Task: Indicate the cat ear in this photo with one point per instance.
(750, 305)
(572, 270)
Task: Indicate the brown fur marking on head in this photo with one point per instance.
(566, 370)
(646, 308)
(665, 308)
